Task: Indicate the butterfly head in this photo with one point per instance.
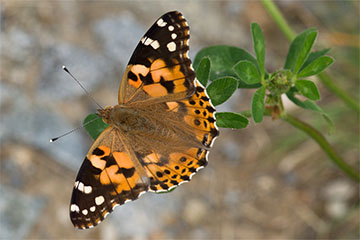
(105, 114)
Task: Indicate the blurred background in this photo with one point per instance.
(266, 181)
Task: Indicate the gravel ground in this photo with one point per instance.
(265, 182)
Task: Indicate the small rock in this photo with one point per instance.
(195, 210)
(339, 190)
(336, 209)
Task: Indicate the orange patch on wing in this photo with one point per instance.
(123, 159)
(123, 186)
(183, 159)
(111, 174)
(173, 106)
(155, 90)
(107, 175)
(136, 83)
(105, 149)
(159, 69)
(137, 70)
(196, 123)
(97, 162)
(194, 153)
(179, 85)
(157, 64)
(133, 180)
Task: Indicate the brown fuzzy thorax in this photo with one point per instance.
(126, 119)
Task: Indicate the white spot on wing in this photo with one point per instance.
(173, 35)
(99, 200)
(155, 44)
(92, 209)
(161, 23)
(87, 189)
(141, 193)
(201, 167)
(148, 41)
(171, 46)
(74, 208)
(85, 212)
(171, 28)
(186, 55)
(183, 182)
(81, 186)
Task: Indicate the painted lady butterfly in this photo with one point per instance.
(159, 133)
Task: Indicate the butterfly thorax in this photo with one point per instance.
(125, 119)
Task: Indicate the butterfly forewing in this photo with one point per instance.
(159, 134)
(106, 179)
(160, 66)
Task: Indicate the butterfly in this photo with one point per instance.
(159, 134)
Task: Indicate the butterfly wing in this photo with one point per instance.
(160, 67)
(107, 178)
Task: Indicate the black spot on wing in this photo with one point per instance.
(169, 85)
(128, 172)
(98, 152)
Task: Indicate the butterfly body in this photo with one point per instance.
(126, 120)
(159, 134)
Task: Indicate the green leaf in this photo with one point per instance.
(203, 71)
(296, 47)
(257, 104)
(94, 125)
(316, 66)
(304, 53)
(221, 89)
(313, 56)
(247, 72)
(223, 58)
(308, 89)
(259, 46)
(231, 120)
(310, 105)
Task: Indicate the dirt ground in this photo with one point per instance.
(268, 181)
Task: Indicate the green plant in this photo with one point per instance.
(291, 81)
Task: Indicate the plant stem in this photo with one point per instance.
(328, 82)
(279, 19)
(324, 144)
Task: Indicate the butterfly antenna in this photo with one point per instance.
(75, 129)
(87, 93)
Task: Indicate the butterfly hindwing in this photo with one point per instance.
(169, 170)
(160, 66)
